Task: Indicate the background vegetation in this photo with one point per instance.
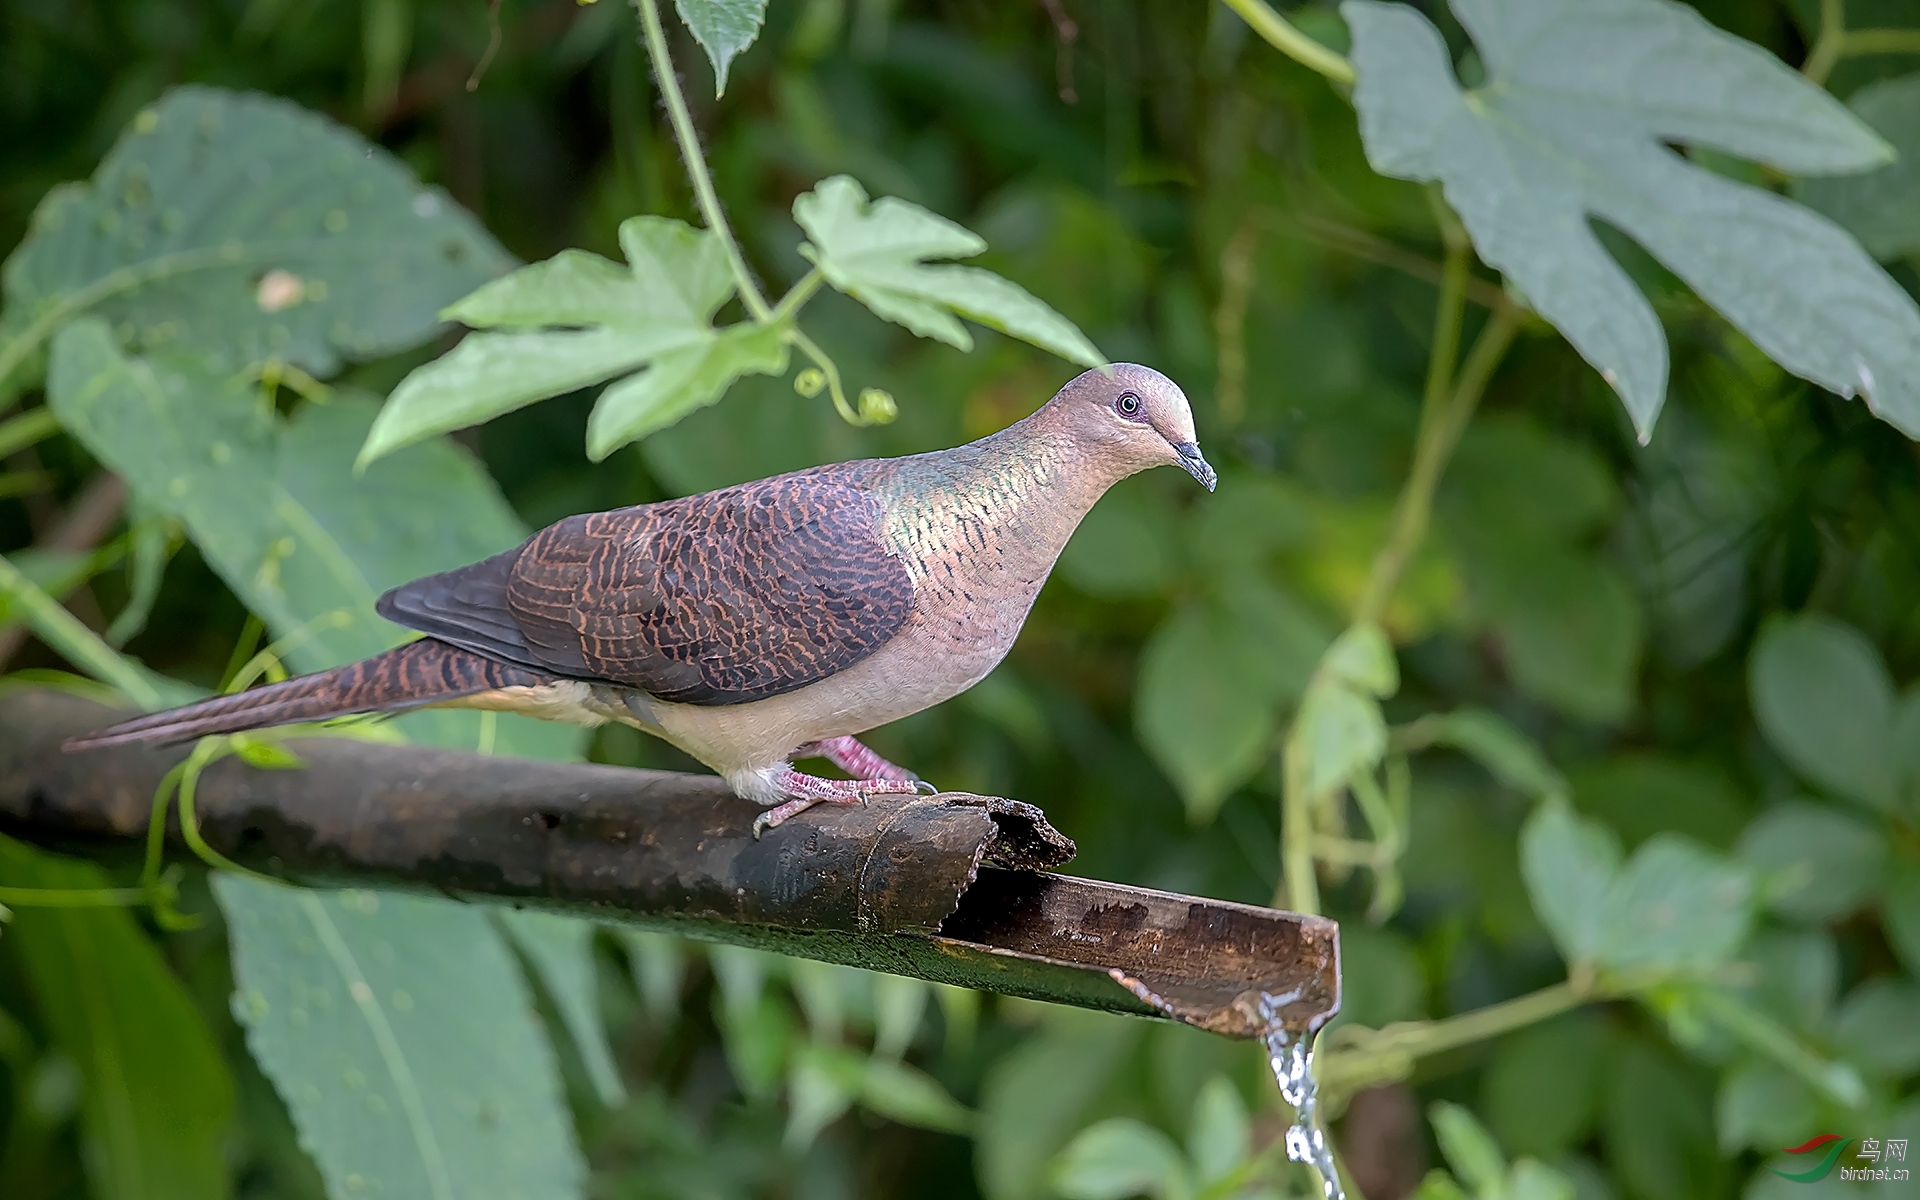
(1611, 778)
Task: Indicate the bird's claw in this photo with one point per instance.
(922, 788)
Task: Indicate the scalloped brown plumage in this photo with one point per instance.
(757, 622)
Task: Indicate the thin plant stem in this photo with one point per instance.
(1830, 46)
(806, 346)
(62, 631)
(796, 296)
(1439, 435)
(1285, 37)
(1881, 41)
(697, 172)
(26, 429)
(1357, 1058)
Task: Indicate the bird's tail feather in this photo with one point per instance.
(410, 676)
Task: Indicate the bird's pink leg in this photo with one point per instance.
(809, 790)
(854, 758)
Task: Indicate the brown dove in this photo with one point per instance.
(760, 623)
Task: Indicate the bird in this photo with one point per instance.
(761, 623)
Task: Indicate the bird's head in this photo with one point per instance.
(1132, 418)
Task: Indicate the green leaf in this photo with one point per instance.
(724, 29)
(1438, 1185)
(1569, 630)
(1817, 864)
(1881, 207)
(904, 1093)
(1658, 1130)
(1036, 1095)
(876, 253)
(680, 381)
(1878, 1027)
(1571, 125)
(155, 1094)
(1470, 1150)
(1202, 710)
(1507, 754)
(489, 374)
(1220, 1135)
(1823, 698)
(1531, 1179)
(276, 510)
(682, 270)
(1570, 865)
(1674, 907)
(1337, 732)
(1362, 658)
(561, 951)
(1761, 1106)
(658, 963)
(1541, 1093)
(609, 322)
(821, 1084)
(403, 1040)
(1119, 1158)
(244, 228)
(1900, 915)
(899, 1004)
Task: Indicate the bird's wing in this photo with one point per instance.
(720, 598)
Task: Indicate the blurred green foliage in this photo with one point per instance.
(1633, 741)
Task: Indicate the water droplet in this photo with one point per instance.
(356, 1183)
(426, 204)
(335, 221)
(147, 121)
(353, 1079)
(177, 487)
(403, 1001)
(221, 453)
(376, 1104)
(297, 1018)
(1291, 1059)
(361, 993)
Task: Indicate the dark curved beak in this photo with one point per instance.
(1196, 466)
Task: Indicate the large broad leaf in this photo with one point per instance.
(876, 252)
(1572, 124)
(1119, 1158)
(724, 29)
(1823, 698)
(275, 508)
(245, 228)
(1212, 679)
(155, 1094)
(1569, 864)
(1881, 208)
(576, 320)
(561, 952)
(1817, 864)
(405, 1045)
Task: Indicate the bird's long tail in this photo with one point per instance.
(410, 676)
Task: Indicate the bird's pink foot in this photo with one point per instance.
(809, 790)
(853, 757)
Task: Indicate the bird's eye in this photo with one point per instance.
(1127, 405)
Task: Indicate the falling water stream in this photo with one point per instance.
(1291, 1058)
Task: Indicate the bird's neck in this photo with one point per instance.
(1008, 503)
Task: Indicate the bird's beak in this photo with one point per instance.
(1196, 466)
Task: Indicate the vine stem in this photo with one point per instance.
(62, 631)
(1286, 37)
(1357, 1058)
(702, 179)
(1443, 419)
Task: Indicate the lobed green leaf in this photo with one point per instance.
(680, 381)
(1572, 125)
(876, 252)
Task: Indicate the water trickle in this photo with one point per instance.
(1291, 1058)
